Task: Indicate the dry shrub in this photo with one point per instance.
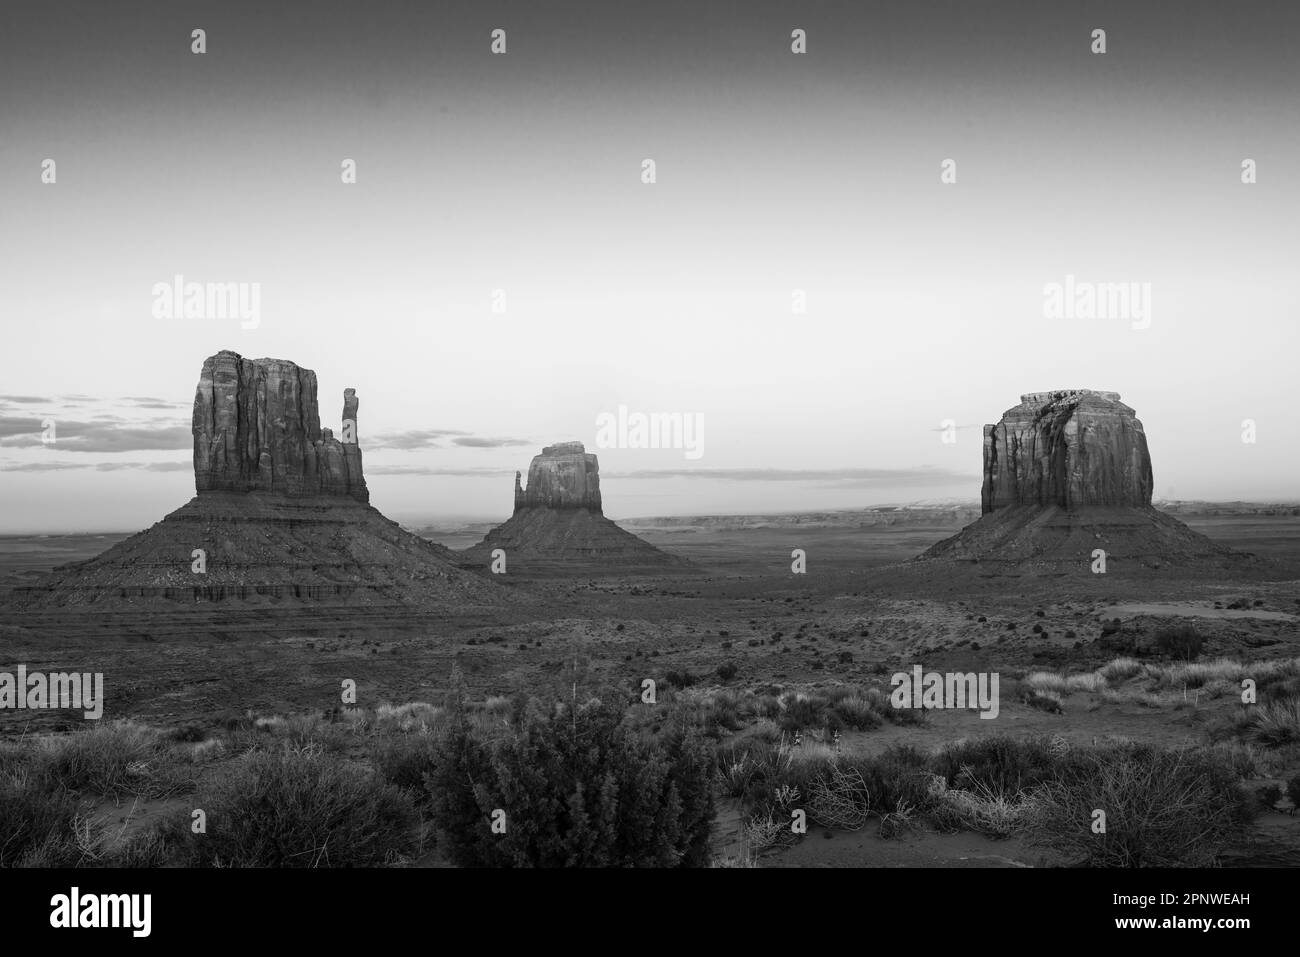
(839, 798)
(1163, 808)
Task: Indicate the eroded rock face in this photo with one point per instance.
(565, 475)
(1073, 449)
(257, 428)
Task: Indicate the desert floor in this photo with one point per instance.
(856, 616)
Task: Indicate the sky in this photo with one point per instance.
(518, 178)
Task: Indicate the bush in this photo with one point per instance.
(299, 808)
(727, 670)
(799, 711)
(1268, 796)
(858, 713)
(1163, 808)
(579, 788)
(1293, 790)
(1003, 764)
(405, 760)
(1180, 642)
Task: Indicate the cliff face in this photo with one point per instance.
(1072, 449)
(257, 428)
(565, 475)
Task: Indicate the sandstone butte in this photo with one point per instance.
(281, 512)
(1066, 473)
(257, 428)
(559, 525)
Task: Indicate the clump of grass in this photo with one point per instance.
(1277, 723)
(1274, 724)
(1195, 674)
(113, 759)
(411, 718)
(1120, 669)
(36, 815)
(1050, 682)
(999, 762)
(858, 713)
(1048, 701)
(1046, 681)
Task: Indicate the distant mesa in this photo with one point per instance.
(1066, 473)
(558, 523)
(281, 512)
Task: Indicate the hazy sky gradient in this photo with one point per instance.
(522, 172)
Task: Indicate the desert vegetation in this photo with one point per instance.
(600, 777)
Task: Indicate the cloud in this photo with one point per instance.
(409, 440)
(16, 426)
(25, 399)
(42, 467)
(153, 402)
(859, 477)
(485, 442)
(431, 470)
(942, 428)
(923, 476)
(72, 435)
(145, 466)
(97, 466)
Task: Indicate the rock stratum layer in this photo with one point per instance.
(1073, 449)
(281, 513)
(257, 428)
(1067, 473)
(558, 525)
